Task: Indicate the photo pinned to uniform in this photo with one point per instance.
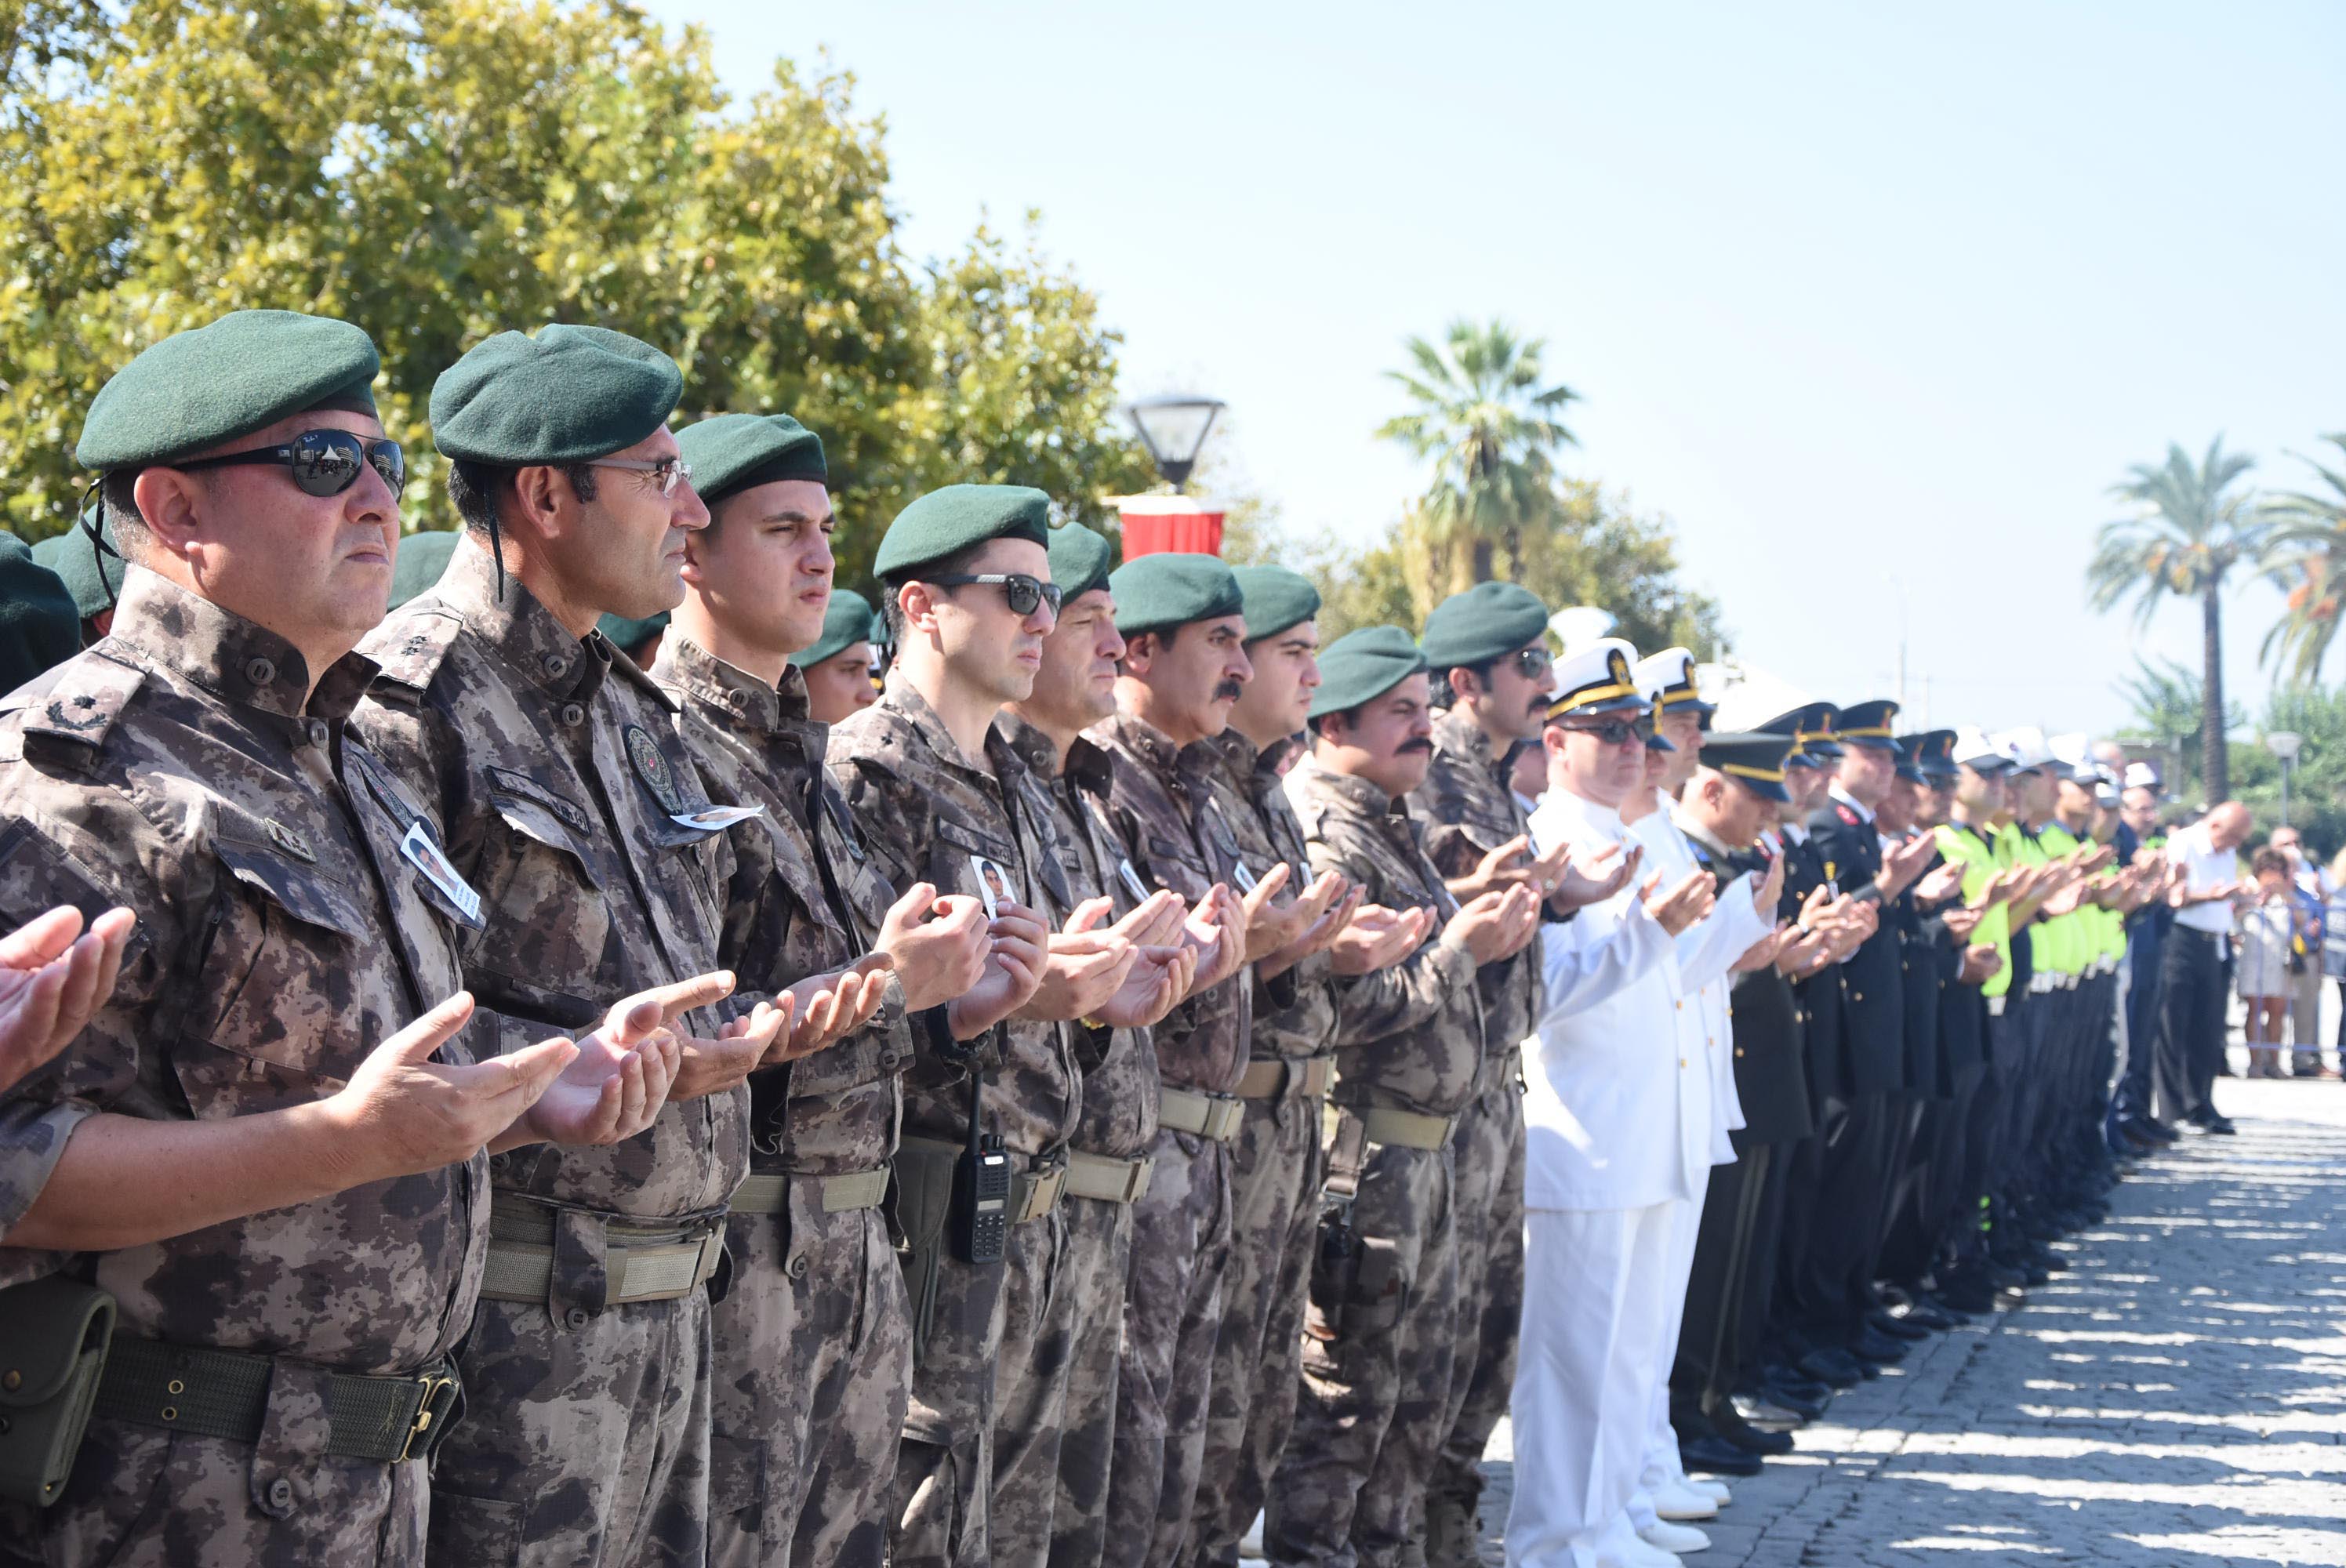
(992, 885)
(708, 818)
(1132, 882)
(1241, 875)
(422, 852)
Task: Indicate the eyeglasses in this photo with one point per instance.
(324, 462)
(1023, 592)
(1616, 731)
(1532, 663)
(667, 473)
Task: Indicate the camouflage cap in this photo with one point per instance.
(959, 517)
(1080, 561)
(39, 626)
(846, 621)
(1274, 599)
(421, 558)
(1363, 666)
(1172, 589)
(738, 452)
(567, 395)
(198, 389)
(1487, 622)
(93, 577)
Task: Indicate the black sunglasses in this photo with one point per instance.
(324, 462)
(1023, 592)
(1616, 731)
(1531, 663)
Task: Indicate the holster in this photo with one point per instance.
(1336, 1251)
(920, 1198)
(53, 1334)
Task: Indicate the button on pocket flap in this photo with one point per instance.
(536, 821)
(300, 890)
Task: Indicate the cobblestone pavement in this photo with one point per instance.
(2176, 1399)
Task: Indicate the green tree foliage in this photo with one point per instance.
(440, 169)
(2306, 558)
(2189, 525)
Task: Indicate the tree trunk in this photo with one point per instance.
(2213, 771)
(1485, 570)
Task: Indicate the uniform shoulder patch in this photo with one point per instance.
(408, 651)
(85, 697)
(1848, 816)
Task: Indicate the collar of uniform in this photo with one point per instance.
(1455, 731)
(1032, 742)
(901, 696)
(1795, 832)
(522, 631)
(1156, 750)
(1581, 809)
(173, 630)
(1864, 812)
(1699, 834)
(700, 673)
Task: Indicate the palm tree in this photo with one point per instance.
(1490, 427)
(2305, 555)
(2190, 527)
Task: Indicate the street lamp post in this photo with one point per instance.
(1173, 428)
(2284, 744)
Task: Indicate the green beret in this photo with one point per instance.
(421, 558)
(569, 394)
(1172, 589)
(1363, 666)
(1080, 561)
(1275, 599)
(625, 634)
(91, 576)
(848, 620)
(1485, 622)
(736, 452)
(960, 517)
(39, 626)
(203, 388)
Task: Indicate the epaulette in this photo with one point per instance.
(85, 697)
(408, 657)
(1848, 815)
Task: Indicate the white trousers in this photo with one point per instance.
(1661, 1464)
(1594, 1315)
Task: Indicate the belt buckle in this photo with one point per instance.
(433, 1384)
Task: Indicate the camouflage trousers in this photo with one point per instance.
(1277, 1167)
(142, 1497)
(1099, 1245)
(977, 1464)
(1172, 1314)
(585, 1440)
(814, 1362)
(1488, 1151)
(1375, 1403)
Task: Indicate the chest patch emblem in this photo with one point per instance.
(650, 764)
(292, 842)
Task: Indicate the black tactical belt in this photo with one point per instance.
(225, 1394)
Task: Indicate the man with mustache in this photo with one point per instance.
(568, 802)
(1185, 666)
(1382, 1331)
(941, 796)
(1276, 1161)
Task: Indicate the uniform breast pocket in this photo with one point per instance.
(1169, 865)
(954, 861)
(548, 923)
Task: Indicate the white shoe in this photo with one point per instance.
(1682, 1500)
(1675, 1538)
(1618, 1547)
(1716, 1490)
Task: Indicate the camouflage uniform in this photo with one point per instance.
(1381, 1329)
(813, 1347)
(1469, 809)
(1177, 837)
(1111, 1140)
(1277, 1169)
(175, 768)
(992, 1346)
(554, 767)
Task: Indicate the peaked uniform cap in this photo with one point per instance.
(1173, 588)
(1487, 621)
(570, 395)
(202, 388)
(1274, 599)
(40, 626)
(960, 517)
(1811, 726)
(1975, 750)
(846, 621)
(1932, 753)
(1867, 724)
(1669, 676)
(1081, 560)
(421, 558)
(1598, 678)
(1752, 759)
(2024, 748)
(2141, 776)
(1361, 666)
(738, 452)
(92, 576)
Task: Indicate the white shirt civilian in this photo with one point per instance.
(2204, 868)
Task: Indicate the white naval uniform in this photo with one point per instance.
(1618, 1114)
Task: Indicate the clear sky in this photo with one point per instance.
(1875, 305)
